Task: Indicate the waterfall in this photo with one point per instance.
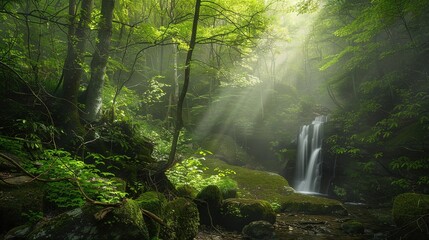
(308, 173)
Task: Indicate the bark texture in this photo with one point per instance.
(100, 56)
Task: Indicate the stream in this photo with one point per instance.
(377, 223)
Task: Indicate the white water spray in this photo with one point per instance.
(308, 173)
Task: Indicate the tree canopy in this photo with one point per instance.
(114, 87)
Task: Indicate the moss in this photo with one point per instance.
(125, 222)
(301, 203)
(182, 220)
(209, 201)
(259, 230)
(253, 183)
(154, 202)
(411, 213)
(186, 191)
(127, 218)
(238, 212)
(353, 227)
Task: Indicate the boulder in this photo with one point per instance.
(411, 215)
(181, 220)
(259, 230)
(209, 201)
(238, 212)
(18, 233)
(353, 227)
(300, 203)
(186, 191)
(94, 222)
(253, 183)
(155, 203)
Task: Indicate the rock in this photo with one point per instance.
(209, 201)
(182, 220)
(229, 193)
(94, 222)
(353, 227)
(411, 214)
(259, 230)
(155, 203)
(238, 212)
(254, 183)
(16, 201)
(19, 232)
(186, 191)
(300, 203)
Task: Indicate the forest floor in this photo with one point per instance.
(376, 221)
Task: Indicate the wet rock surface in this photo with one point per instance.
(377, 224)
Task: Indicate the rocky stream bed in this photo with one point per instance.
(376, 224)
(297, 216)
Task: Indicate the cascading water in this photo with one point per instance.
(308, 173)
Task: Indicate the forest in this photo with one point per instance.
(214, 119)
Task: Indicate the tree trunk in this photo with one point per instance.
(99, 62)
(179, 120)
(72, 68)
(174, 95)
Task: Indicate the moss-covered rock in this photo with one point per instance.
(259, 230)
(411, 214)
(17, 202)
(254, 183)
(154, 202)
(186, 191)
(182, 220)
(353, 227)
(92, 222)
(209, 202)
(300, 203)
(238, 212)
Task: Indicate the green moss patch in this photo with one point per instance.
(182, 220)
(209, 202)
(124, 222)
(238, 212)
(154, 202)
(353, 227)
(253, 183)
(300, 203)
(271, 187)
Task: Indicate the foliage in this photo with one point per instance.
(410, 211)
(33, 216)
(11, 146)
(380, 88)
(60, 164)
(124, 106)
(191, 172)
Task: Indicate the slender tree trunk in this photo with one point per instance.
(72, 68)
(99, 62)
(176, 74)
(179, 120)
(174, 96)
